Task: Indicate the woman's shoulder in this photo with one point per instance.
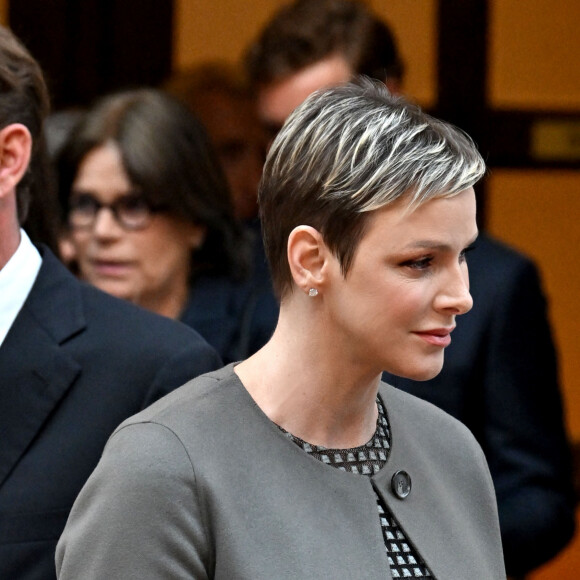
(200, 397)
(211, 416)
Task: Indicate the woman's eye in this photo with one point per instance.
(83, 202)
(419, 264)
(131, 205)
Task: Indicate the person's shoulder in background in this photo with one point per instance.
(120, 340)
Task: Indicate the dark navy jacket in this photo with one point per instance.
(74, 365)
(236, 318)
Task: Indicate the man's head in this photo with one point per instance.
(24, 104)
(347, 152)
(310, 45)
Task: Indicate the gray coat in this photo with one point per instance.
(203, 485)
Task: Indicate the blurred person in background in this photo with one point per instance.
(148, 215)
(500, 376)
(220, 96)
(310, 45)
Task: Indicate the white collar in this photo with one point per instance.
(16, 280)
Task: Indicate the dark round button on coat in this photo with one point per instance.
(401, 484)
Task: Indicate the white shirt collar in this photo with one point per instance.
(16, 280)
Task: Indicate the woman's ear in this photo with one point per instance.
(15, 151)
(66, 247)
(307, 256)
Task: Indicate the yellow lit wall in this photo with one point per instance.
(217, 29)
(534, 48)
(415, 27)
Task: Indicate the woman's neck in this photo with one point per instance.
(306, 389)
(170, 303)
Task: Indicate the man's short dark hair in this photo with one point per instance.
(23, 99)
(307, 31)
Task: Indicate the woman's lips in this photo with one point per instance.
(111, 268)
(437, 336)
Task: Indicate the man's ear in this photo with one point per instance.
(15, 151)
(307, 257)
(197, 235)
(394, 85)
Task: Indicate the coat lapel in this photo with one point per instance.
(453, 525)
(35, 371)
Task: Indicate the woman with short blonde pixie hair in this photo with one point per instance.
(299, 462)
(333, 175)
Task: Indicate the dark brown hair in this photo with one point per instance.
(208, 78)
(307, 31)
(24, 99)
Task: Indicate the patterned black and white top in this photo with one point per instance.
(403, 558)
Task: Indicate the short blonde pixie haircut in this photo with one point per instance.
(348, 151)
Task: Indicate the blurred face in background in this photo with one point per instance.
(240, 142)
(124, 246)
(277, 100)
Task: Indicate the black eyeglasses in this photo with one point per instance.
(132, 211)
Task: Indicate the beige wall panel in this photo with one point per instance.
(534, 54)
(222, 29)
(415, 26)
(217, 29)
(538, 212)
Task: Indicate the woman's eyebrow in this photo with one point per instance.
(436, 245)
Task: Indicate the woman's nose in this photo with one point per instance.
(106, 224)
(455, 295)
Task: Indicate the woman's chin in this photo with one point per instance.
(116, 288)
(424, 373)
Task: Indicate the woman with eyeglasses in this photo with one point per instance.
(148, 217)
